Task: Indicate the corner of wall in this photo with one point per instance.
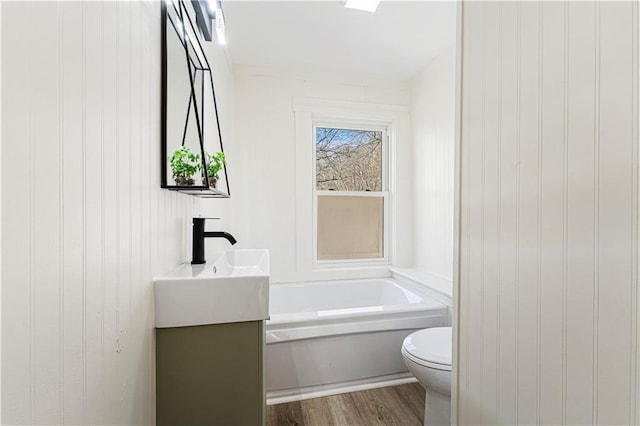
(433, 95)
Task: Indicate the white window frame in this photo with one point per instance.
(397, 120)
(338, 123)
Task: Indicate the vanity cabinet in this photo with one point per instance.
(211, 374)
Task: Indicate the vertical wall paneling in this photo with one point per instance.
(634, 380)
(30, 234)
(73, 219)
(476, 218)
(528, 215)
(433, 134)
(549, 209)
(0, 217)
(507, 220)
(457, 184)
(616, 211)
(580, 199)
(44, 98)
(145, 183)
(490, 211)
(565, 215)
(462, 372)
(551, 181)
(110, 195)
(85, 224)
(93, 208)
(596, 221)
(20, 375)
(60, 277)
(135, 211)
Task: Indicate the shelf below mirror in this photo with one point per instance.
(200, 191)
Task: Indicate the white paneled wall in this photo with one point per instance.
(0, 222)
(264, 201)
(433, 95)
(548, 324)
(85, 225)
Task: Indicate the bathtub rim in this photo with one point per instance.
(408, 320)
(285, 327)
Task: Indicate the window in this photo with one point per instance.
(350, 193)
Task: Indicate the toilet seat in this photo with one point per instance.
(430, 347)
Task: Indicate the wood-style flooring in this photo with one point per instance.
(395, 405)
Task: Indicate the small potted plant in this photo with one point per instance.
(215, 163)
(184, 164)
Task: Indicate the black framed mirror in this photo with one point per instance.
(193, 159)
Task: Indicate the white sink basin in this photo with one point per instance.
(234, 288)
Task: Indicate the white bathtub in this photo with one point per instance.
(330, 337)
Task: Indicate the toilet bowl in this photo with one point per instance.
(427, 355)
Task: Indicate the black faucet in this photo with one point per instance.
(197, 255)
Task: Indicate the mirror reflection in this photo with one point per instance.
(194, 160)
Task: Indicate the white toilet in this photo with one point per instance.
(427, 354)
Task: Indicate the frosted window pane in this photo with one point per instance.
(350, 227)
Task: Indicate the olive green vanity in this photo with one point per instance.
(210, 341)
(210, 374)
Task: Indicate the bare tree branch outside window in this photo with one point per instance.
(348, 160)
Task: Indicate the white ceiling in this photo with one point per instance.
(395, 42)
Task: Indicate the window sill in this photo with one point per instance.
(335, 274)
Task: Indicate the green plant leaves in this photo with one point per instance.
(214, 164)
(185, 164)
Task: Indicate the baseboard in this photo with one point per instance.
(299, 394)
